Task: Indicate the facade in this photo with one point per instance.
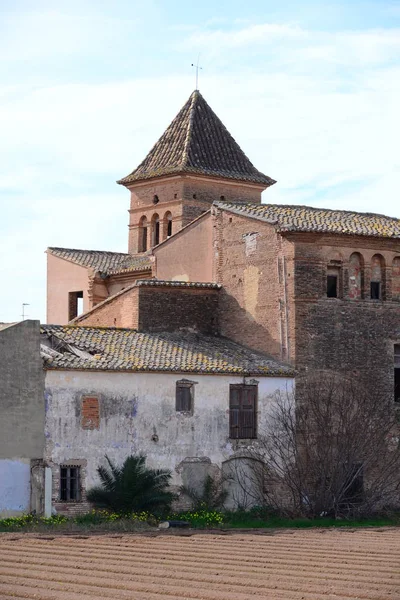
(188, 401)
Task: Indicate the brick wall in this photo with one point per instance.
(250, 260)
(352, 332)
(184, 197)
(170, 309)
(158, 309)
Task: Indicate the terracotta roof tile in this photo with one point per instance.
(113, 349)
(106, 262)
(197, 142)
(318, 220)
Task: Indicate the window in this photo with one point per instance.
(70, 484)
(155, 230)
(184, 396)
(397, 373)
(377, 277)
(90, 412)
(143, 234)
(332, 286)
(375, 290)
(242, 412)
(75, 304)
(167, 225)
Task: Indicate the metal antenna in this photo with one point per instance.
(197, 71)
(23, 310)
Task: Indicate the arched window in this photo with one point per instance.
(167, 222)
(396, 279)
(356, 276)
(377, 277)
(155, 222)
(142, 245)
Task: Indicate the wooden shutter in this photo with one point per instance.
(183, 397)
(242, 411)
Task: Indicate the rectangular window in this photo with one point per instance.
(184, 396)
(331, 286)
(243, 412)
(75, 304)
(70, 490)
(397, 373)
(375, 290)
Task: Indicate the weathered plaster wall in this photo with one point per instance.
(137, 414)
(21, 413)
(64, 277)
(188, 255)
(15, 487)
(21, 391)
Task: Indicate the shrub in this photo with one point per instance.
(132, 488)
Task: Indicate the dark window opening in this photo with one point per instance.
(184, 397)
(70, 484)
(169, 228)
(156, 199)
(397, 373)
(194, 196)
(375, 290)
(332, 286)
(156, 233)
(75, 304)
(144, 239)
(242, 412)
(222, 198)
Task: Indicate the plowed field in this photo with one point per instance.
(298, 565)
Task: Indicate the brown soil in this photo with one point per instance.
(298, 565)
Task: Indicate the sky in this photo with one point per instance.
(310, 91)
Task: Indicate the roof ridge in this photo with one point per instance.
(85, 250)
(186, 147)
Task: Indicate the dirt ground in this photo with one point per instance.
(298, 565)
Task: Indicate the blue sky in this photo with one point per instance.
(310, 90)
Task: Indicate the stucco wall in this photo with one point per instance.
(64, 277)
(137, 414)
(15, 487)
(188, 255)
(21, 413)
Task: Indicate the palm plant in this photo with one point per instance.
(132, 487)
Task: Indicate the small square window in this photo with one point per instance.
(184, 396)
(70, 487)
(375, 290)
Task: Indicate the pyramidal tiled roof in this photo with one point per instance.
(318, 220)
(106, 262)
(197, 142)
(114, 349)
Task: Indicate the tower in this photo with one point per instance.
(195, 162)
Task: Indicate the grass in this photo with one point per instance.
(257, 518)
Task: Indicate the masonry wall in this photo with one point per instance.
(64, 277)
(351, 333)
(183, 197)
(171, 309)
(255, 267)
(188, 255)
(137, 414)
(21, 413)
(121, 311)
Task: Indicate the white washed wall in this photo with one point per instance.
(14, 486)
(135, 409)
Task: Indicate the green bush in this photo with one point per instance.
(132, 488)
(199, 518)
